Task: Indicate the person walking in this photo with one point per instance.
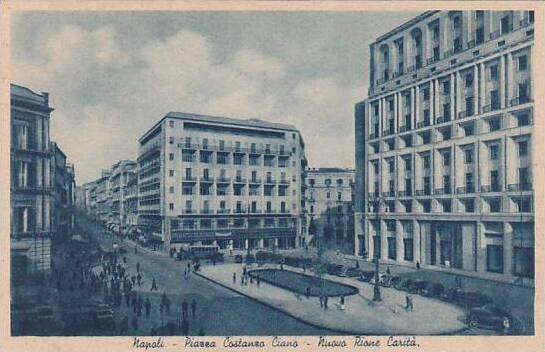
(185, 327)
(139, 279)
(408, 302)
(193, 308)
(234, 278)
(124, 326)
(184, 309)
(388, 271)
(325, 302)
(341, 303)
(258, 280)
(133, 279)
(134, 323)
(148, 307)
(153, 285)
(321, 301)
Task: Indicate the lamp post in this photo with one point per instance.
(376, 290)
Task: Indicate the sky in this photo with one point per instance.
(111, 76)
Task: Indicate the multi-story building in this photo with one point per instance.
(131, 204)
(236, 183)
(330, 207)
(30, 185)
(103, 197)
(122, 173)
(444, 145)
(63, 194)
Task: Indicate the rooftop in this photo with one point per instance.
(231, 121)
(25, 93)
(405, 25)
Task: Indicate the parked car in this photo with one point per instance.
(403, 284)
(490, 317)
(366, 276)
(450, 294)
(473, 299)
(432, 290)
(417, 286)
(250, 258)
(238, 258)
(389, 280)
(351, 272)
(334, 269)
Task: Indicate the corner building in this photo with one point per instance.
(216, 180)
(444, 145)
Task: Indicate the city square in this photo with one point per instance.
(223, 190)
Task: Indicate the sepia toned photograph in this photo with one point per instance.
(272, 173)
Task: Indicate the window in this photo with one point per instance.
(171, 123)
(171, 189)
(524, 205)
(447, 206)
(426, 161)
(407, 164)
(238, 159)
(469, 181)
(468, 130)
(171, 156)
(205, 143)
(522, 63)
(523, 148)
(469, 206)
(328, 195)
(446, 158)
(493, 73)
(523, 120)
(506, 24)
(495, 99)
(407, 99)
(171, 206)
(494, 258)
(391, 166)
(187, 142)
(187, 190)
(469, 106)
(468, 80)
(339, 195)
(468, 156)
(493, 152)
(523, 177)
(222, 144)
(446, 183)
(426, 94)
(328, 182)
(495, 205)
(171, 173)
(494, 181)
(170, 140)
(446, 86)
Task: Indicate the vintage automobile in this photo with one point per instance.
(490, 317)
(433, 289)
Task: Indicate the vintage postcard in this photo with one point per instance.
(272, 176)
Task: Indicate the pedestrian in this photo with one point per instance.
(321, 301)
(124, 326)
(139, 279)
(167, 305)
(184, 309)
(251, 279)
(307, 293)
(234, 278)
(185, 327)
(244, 270)
(137, 267)
(189, 267)
(193, 308)
(325, 302)
(133, 279)
(258, 280)
(341, 303)
(388, 271)
(134, 322)
(153, 285)
(408, 303)
(148, 307)
(417, 264)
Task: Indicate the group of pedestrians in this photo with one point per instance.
(246, 278)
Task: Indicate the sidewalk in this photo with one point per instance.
(361, 315)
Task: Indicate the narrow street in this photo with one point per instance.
(219, 311)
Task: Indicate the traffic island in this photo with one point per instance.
(429, 316)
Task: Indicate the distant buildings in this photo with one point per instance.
(122, 174)
(444, 145)
(41, 185)
(330, 207)
(235, 183)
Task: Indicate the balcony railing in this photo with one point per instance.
(189, 211)
(490, 188)
(422, 192)
(270, 181)
(441, 191)
(519, 100)
(465, 190)
(223, 211)
(421, 124)
(223, 180)
(513, 187)
(207, 179)
(239, 180)
(255, 180)
(284, 182)
(373, 135)
(189, 179)
(388, 194)
(405, 193)
(206, 211)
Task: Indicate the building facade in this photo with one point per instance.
(122, 173)
(236, 183)
(30, 185)
(444, 145)
(330, 207)
(63, 194)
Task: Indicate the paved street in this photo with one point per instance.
(219, 311)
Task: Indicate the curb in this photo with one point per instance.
(342, 331)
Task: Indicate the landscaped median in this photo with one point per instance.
(361, 316)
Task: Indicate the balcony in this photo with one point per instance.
(388, 194)
(490, 188)
(223, 211)
(255, 181)
(388, 132)
(207, 211)
(441, 191)
(189, 211)
(255, 211)
(239, 180)
(404, 193)
(223, 180)
(284, 182)
(519, 100)
(239, 211)
(206, 179)
(31, 189)
(517, 187)
(190, 146)
(373, 135)
(465, 190)
(189, 179)
(270, 181)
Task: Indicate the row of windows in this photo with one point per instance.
(238, 190)
(239, 208)
(327, 182)
(225, 223)
(236, 159)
